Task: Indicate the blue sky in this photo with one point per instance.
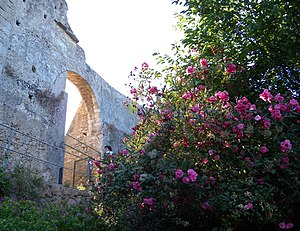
(118, 35)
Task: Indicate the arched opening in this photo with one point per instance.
(83, 137)
(74, 100)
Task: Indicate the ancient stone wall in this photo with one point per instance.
(65, 196)
(38, 52)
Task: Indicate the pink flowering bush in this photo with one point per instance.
(202, 159)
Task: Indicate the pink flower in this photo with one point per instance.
(210, 152)
(285, 146)
(145, 65)
(179, 174)
(278, 98)
(242, 105)
(267, 124)
(266, 96)
(228, 115)
(284, 225)
(201, 88)
(252, 107)
(186, 95)
(285, 160)
(97, 163)
(192, 122)
(153, 90)
(230, 68)
(202, 113)
(257, 118)
(204, 161)
(240, 126)
(133, 91)
(211, 99)
(191, 70)
(205, 205)
(217, 157)
(195, 109)
(203, 62)
(161, 177)
(282, 107)
(264, 149)
(137, 186)
(260, 181)
(223, 96)
(186, 180)
(192, 175)
(148, 201)
(289, 225)
(294, 102)
(276, 113)
(136, 176)
(250, 205)
(112, 166)
(226, 124)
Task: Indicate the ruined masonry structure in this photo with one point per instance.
(38, 53)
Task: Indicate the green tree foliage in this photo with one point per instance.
(262, 36)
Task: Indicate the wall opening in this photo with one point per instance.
(74, 99)
(83, 136)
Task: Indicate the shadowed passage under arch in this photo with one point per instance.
(85, 132)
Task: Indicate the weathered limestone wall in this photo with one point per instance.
(38, 52)
(33, 77)
(79, 129)
(7, 14)
(65, 196)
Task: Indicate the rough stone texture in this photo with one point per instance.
(38, 52)
(65, 196)
(78, 129)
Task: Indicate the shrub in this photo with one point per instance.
(26, 184)
(5, 183)
(25, 209)
(28, 215)
(199, 159)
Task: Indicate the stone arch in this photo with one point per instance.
(39, 51)
(92, 125)
(84, 137)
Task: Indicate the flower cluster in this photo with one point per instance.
(191, 176)
(284, 225)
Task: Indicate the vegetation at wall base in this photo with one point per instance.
(23, 208)
(28, 215)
